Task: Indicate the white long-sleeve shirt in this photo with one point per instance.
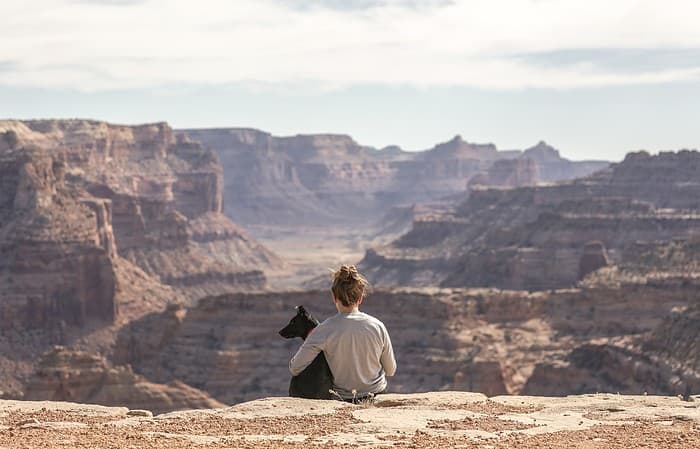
(358, 350)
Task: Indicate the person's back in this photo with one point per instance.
(357, 345)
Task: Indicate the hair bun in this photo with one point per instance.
(348, 273)
(348, 284)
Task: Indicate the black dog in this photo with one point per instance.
(316, 380)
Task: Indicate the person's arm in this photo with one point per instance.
(313, 344)
(388, 361)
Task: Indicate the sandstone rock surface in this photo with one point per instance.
(76, 376)
(429, 420)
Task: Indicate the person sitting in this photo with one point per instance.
(357, 345)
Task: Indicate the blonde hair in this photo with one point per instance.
(348, 285)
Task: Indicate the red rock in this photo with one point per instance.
(539, 237)
(145, 187)
(95, 218)
(484, 340)
(75, 376)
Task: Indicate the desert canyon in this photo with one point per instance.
(529, 297)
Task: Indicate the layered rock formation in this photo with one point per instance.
(330, 179)
(75, 376)
(508, 172)
(56, 248)
(663, 361)
(101, 224)
(152, 198)
(551, 167)
(621, 233)
(547, 236)
(490, 341)
(678, 339)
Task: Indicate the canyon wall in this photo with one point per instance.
(101, 224)
(76, 376)
(484, 340)
(325, 179)
(110, 235)
(547, 236)
(157, 199)
(56, 249)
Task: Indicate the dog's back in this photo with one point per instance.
(316, 380)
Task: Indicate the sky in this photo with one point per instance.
(596, 79)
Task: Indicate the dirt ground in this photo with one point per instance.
(428, 420)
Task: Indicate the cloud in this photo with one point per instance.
(111, 2)
(8, 66)
(362, 5)
(495, 44)
(342, 5)
(621, 60)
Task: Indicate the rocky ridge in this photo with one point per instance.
(548, 236)
(101, 224)
(617, 233)
(77, 376)
(102, 192)
(484, 340)
(317, 179)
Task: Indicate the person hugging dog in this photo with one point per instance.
(357, 345)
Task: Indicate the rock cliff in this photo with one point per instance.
(331, 179)
(663, 361)
(547, 236)
(56, 248)
(678, 337)
(108, 233)
(154, 199)
(552, 167)
(508, 172)
(75, 376)
(101, 224)
(484, 340)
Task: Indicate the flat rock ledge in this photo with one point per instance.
(422, 420)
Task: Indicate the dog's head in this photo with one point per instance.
(299, 326)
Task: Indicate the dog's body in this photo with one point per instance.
(316, 380)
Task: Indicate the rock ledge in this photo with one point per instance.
(425, 420)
